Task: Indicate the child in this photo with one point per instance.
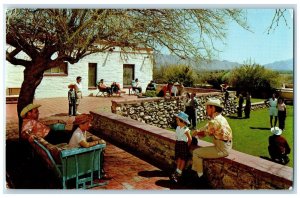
(281, 113)
(78, 139)
(72, 100)
(183, 140)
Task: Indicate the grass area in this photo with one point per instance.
(251, 135)
(253, 100)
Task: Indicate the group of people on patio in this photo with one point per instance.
(114, 88)
(81, 124)
(186, 146)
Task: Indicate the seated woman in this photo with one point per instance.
(151, 86)
(78, 139)
(115, 88)
(165, 89)
(136, 86)
(104, 88)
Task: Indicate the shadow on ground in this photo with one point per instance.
(260, 128)
(23, 171)
(187, 181)
(235, 117)
(154, 173)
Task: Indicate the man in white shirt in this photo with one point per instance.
(78, 90)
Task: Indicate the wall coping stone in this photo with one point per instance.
(253, 163)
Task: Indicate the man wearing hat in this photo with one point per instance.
(31, 125)
(219, 129)
(278, 147)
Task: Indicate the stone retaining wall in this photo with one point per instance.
(160, 111)
(237, 171)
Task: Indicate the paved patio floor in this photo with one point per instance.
(128, 171)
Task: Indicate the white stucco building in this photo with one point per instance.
(110, 66)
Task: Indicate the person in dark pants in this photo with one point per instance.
(72, 100)
(226, 96)
(247, 108)
(191, 109)
(281, 113)
(240, 107)
(278, 147)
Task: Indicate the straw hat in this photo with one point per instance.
(82, 118)
(28, 108)
(184, 117)
(214, 102)
(276, 131)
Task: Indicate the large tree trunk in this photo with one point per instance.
(32, 78)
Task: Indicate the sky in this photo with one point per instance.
(258, 45)
(241, 45)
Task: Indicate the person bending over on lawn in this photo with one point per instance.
(221, 133)
(278, 147)
(78, 139)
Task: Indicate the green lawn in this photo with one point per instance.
(253, 100)
(251, 135)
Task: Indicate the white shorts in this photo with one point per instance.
(273, 111)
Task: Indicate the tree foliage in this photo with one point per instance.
(175, 73)
(255, 79)
(50, 37)
(214, 78)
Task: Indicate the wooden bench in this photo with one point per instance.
(12, 95)
(81, 164)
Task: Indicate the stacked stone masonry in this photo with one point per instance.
(236, 171)
(160, 111)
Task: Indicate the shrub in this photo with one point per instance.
(151, 93)
(254, 78)
(214, 78)
(175, 73)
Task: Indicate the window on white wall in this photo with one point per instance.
(92, 75)
(59, 70)
(128, 74)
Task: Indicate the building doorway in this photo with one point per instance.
(128, 74)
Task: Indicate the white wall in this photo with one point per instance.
(109, 67)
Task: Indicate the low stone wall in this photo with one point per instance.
(237, 171)
(160, 111)
(190, 89)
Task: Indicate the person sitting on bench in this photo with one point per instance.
(136, 86)
(102, 87)
(78, 139)
(32, 125)
(151, 86)
(115, 88)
